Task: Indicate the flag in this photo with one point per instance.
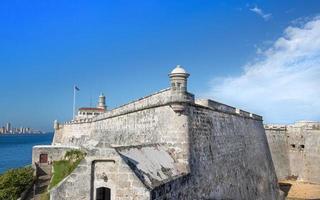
(76, 88)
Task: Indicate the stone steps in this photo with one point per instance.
(42, 182)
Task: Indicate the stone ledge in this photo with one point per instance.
(158, 99)
(220, 107)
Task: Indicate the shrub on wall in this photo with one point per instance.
(14, 182)
(74, 155)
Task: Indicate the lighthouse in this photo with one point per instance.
(102, 102)
(90, 112)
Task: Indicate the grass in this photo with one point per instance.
(63, 168)
(45, 196)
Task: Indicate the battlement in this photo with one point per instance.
(220, 107)
(156, 99)
(309, 125)
(275, 127)
(160, 98)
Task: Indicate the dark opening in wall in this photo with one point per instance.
(293, 145)
(302, 146)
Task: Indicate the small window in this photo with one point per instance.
(302, 146)
(293, 145)
(43, 158)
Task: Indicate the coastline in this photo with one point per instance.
(16, 149)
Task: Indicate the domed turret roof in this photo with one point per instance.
(178, 70)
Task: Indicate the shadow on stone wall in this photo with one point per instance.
(285, 187)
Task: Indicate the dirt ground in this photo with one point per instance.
(300, 190)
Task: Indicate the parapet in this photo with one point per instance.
(308, 125)
(161, 98)
(220, 107)
(311, 125)
(278, 127)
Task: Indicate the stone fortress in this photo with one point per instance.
(167, 145)
(295, 150)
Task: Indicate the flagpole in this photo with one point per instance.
(74, 101)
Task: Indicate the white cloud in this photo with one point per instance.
(258, 11)
(283, 83)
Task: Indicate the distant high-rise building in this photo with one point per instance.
(8, 127)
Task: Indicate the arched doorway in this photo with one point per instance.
(103, 193)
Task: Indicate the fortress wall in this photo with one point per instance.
(304, 156)
(311, 169)
(58, 134)
(155, 125)
(77, 132)
(295, 152)
(277, 139)
(103, 169)
(145, 121)
(74, 186)
(73, 133)
(230, 157)
(157, 99)
(178, 188)
(54, 152)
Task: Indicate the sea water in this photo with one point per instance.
(16, 149)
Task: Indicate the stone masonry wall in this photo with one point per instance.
(278, 144)
(54, 152)
(311, 170)
(295, 151)
(71, 132)
(147, 121)
(229, 159)
(101, 168)
(295, 139)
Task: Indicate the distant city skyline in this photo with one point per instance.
(261, 56)
(9, 129)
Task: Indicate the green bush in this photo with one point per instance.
(9, 193)
(14, 182)
(74, 155)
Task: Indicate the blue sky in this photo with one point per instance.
(126, 49)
